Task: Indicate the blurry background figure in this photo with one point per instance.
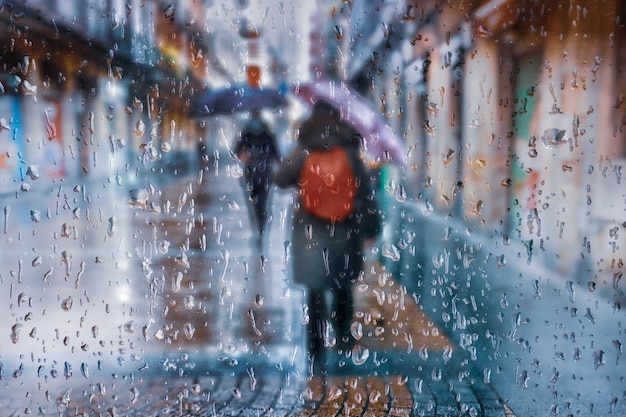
(328, 254)
(256, 148)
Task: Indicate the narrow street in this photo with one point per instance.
(194, 320)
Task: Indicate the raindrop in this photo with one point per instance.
(360, 355)
(617, 277)
(618, 347)
(67, 303)
(487, 375)
(570, 290)
(112, 229)
(35, 215)
(15, 332)
(19, 371)
(598, 358)
(423, 353)
(448, 157)
(258, 300)
(189, 301)
(134, 395)
(189, 330)
(356, 329)
(168, 12)
(163, 246)
(391, 252)
(182, 260)
(430, 128)
(140, 128)
(33, 172)
(138, 198)
(7, 212)
(553, 138)
(436, 374)
(166, 147)
(334, 393)
(177, 279)
(130, 326)
(67, 370)
(589, 315)
(591, 286)
(84, 370)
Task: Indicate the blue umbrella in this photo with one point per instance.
(237, 98)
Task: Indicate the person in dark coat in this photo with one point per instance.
(327, 257)
(256, 148)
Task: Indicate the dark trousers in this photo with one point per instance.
(258, 187)
(328, 308)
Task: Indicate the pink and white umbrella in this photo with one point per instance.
(381, 142)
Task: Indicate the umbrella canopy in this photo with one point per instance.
(381, 142)
(237, 98)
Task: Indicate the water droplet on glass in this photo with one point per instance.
(33, 172)
(356, 329)
(436, 374)
(15, 332)
(35, 215)
(130, 326)
(166, 147)
(570, 290)
(67, 303)
(360, 355)
(390, 251)
(67, 370)
(112, 229)
(189, 330)
(84, 370)
(169, 11)
(598, 358)
(182, 260)
(177, 278)
(553, 138)
(448, 157)
(140, 128)
(138, 198)
(334, 393)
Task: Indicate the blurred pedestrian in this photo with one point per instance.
(256, 148)
(327, 251)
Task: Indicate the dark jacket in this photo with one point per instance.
(325, 254)
(257, 146)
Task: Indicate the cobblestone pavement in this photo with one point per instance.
(269, 393)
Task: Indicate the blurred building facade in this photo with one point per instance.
(91, 89)
(513, 114)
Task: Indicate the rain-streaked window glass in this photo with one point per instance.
(257, 207)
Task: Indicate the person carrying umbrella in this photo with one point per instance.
(328, 249)
(256, 148)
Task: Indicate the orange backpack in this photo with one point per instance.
(328, 185)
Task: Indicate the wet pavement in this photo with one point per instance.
(174, 310)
